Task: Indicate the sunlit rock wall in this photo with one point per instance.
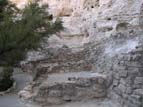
(112, 31)
(90, 20)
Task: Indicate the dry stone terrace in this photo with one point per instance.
(61, 60)
(127, 84)
(69, 87)
(120, 80)
(113, 32)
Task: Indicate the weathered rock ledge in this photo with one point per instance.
(68, 87)
(112, 31)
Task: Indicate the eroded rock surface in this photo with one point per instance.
(104, 36)
(69, 87)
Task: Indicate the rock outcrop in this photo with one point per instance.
(67, 87)
(104, 36)
(128, 79)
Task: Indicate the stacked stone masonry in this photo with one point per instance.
(128, 79)
(115, 25)
(73, 88)
(61, 60)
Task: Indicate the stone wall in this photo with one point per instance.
(113, 32)
(120, 57)
(57, 61)
(74, 87)
(127, 84)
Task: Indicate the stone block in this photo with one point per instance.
(125, 96)
(134, 101)
(101, 81)
(133, 105)
(136, 86)
(138, 80)
(75, 86)
(117, 91)
(123, 74)
(133, 71)
(138, 92)
(97, 87)
(122, 88)
(129, 90)
(120, 68)
(129, 81)
(116, 76)
(134, 64)
(123, 81)
(84, 82)
(53, 100)
(55, 93)
(115, 82)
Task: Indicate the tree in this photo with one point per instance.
(23, 30)
(20, 32)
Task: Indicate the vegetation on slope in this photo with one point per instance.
(23, 30)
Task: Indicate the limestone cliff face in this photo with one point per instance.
(87, 21)
(110, 36)
(79, 17)
(90, 20)
(96, 19)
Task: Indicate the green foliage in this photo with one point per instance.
(3, 3)
(6, 82)
(7, 72)
(23, 30)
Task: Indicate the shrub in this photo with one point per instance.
(20, 32)
(23, 30)
(6, 82)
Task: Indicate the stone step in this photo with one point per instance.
(76, 86)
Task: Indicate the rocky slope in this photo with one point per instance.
(91, 20)
(103, 36)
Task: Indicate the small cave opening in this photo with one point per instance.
(108, 18)
(109, 29)
(121, 26)
(92, 6)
